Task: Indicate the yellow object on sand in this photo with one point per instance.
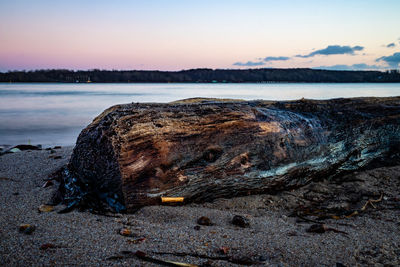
(46, 208)
(171, 199)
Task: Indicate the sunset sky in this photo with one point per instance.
(184, 34)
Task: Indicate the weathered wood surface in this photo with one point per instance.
(205, 149)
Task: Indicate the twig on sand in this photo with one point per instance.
(306, 219)
(142, 255)
(371, 201)
(319, 222)
(237, 260)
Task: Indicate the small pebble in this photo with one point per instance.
(317, 228)
(203, 220)
(240, 221)
(27, 229)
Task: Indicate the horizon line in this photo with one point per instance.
(182, 70)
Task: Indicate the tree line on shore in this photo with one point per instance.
(200, 76)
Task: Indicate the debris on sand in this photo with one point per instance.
(137, 241)
(322, 228)
(126, 232)
(47, 184)
(223, 250)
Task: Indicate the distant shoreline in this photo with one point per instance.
(208, 76)
(1, 82)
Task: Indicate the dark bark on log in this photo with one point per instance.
(206, 149)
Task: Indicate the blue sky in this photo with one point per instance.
(174, 35)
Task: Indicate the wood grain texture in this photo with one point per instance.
(203, 149)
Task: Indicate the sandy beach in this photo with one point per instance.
(274, 237)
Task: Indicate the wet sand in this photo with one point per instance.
(274, 238)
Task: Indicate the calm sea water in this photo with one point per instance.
(54, 114)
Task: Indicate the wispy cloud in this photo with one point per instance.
(391, 45)
(360, 66)
(249, 64)
(393, 61)
(334, 50)
(267, 59)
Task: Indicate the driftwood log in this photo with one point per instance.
(202, 149)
